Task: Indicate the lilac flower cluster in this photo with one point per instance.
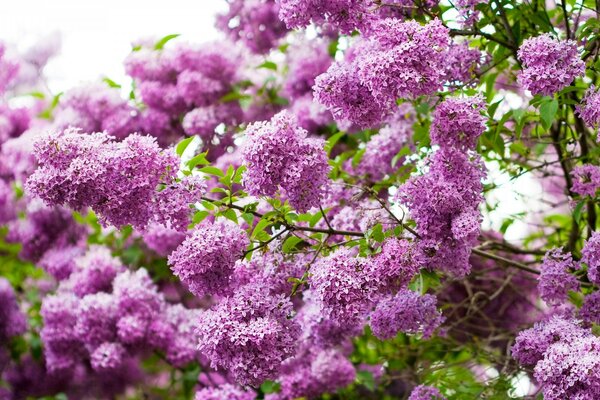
(253, 22)
(549, 65)
(396, 265)
(444, 202)
(566, 358)
(205, 260)
(458, 123)
(12, 320)
(342, 15)
(555, 279)
(467, 13)
(305, 61)
(278, 154)
(423, 392)
(589, 108)
(118, 180)
(586, 179)
(406, 312)
(590, 255)
(399, 60)
(225, 391)
(462, 64)
(250, 334)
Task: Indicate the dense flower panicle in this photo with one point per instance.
(342, 285)
(12, 320)
(590, 255)
(311, 115)
(96, 321)
(306, 61)
(406, 312)
(590, 310)
(458, 123)
(350, 101)
(255, 23)
(404, 60)
(225, 391)
(586, 179)
(444, 202)
(173, 333)
(116, 179)
(161, 239)
(60, 262)
(531, 344)
(44, 228)
(380, 151)
(423, 392)
(555, 279)
(107, 357)
(8, 210)
(205, 260)
(250, 334)
(278, 154)
(94, 272)
(96, 108)
(589, 109)
(549, 65)
(343, 15)
(396, 265)
(203, 121)
(172, 204)
(467, 13)
(333, 369)
(13, 122)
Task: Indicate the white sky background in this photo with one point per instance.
(97, 35)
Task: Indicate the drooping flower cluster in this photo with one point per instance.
(399, 60)
(249, 334)
(396, 265)
(555, 279)
(589, 109)
(306, 61)
(278, 154)
(253, 22)
(406, 312)
(586, 180)
(467, 13)
(590, 255)
(343, 15)
(12, 320)
(205, 260)
(423, 392)
(566, 358)
(118, 180)
(549, 65)
(458, 123)
(225, 391)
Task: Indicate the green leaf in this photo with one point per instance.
(181, 146)
(290, 243)
(260, 227)
(270, 387)
(111, 83)
(162, 42)
(577, 211)
(200, 159)
(231, 215)
(548, 110)
(212, 171)
(332, 141)
(199, 216)
(268, 65)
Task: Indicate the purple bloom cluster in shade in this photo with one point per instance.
(467, 13)
(12, 320)
(13, 121)
(444, 202)
(9, 69)
(549, 65)
(589, 109)
(161, 239)
(342, 15)
(555, 279)
(406, 312)
(462, 64)
(458, 123)
(586, 180)
(566, 358)
(590, 255)
(186, 83)
(118, 180)
(306, 60)
(225, 391)
(255, 23)
(205, 260)
(95, 108)
(398, 60)
(250, 334)
(279, 155)
(590, 310)
(8, 209)
(423, 392)
(108, 325)
(396, 264)
(380, 151)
